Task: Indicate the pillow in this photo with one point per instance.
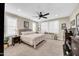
(27, 33)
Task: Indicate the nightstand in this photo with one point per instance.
(16, 39)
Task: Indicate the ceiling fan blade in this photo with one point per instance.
(45, 17)
(46, 14)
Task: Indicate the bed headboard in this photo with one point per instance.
(23, 30)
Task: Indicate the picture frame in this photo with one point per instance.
(77, 20)
(26, 24)
(72, 23)
(63, 26)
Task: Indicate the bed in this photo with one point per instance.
(32, 38)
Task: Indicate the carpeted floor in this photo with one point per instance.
(46, 48)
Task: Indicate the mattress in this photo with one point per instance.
(30, 39)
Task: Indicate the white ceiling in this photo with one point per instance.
(29, 10)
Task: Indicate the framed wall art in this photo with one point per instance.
(26, 24)
(63, 26)
(72, 23)
(77, 20)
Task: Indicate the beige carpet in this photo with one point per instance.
(46, 48)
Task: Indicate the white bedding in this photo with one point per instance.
(32, 38)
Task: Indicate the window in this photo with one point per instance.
(34, 27)
(54, 26)
(44, 27)
(51, 26)
(10, 25)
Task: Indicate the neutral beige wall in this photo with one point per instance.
(68, 20)
(74, 13)
(61, 21)
(61, 32)
(20, 23)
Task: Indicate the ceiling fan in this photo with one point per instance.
(41, 15)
